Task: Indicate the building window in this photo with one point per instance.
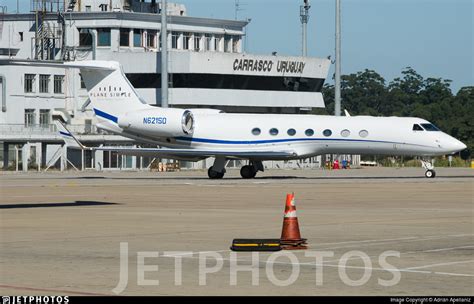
(327, 132)
(235, 44)
(309, 132)
(197, 42)
(21, 35)
(85, 38)
(88, 8)
(137, 38)
(363, 133)
(124, 37)
(174, 40)
(227, 43)
(44, 118)
(58, 84)
(151, 39)
(217, 40)
(256, 131)
(186, 40)
(273, 131)
(291, 132)
(30, 83)
(83, 85)
(29, 117)
(44, 83)
(207, 42)
(103, 37)
(345, 133)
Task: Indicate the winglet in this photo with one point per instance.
(70, 140)
(346, 112)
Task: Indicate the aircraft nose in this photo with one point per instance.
(456, 145)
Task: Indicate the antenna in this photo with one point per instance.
(304, 17)
(238, 8)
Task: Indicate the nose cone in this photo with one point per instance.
(455, 145)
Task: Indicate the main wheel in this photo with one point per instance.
(214, 174)
(248, 172)
(430, 173)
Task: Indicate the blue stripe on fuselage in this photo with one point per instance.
(105, 115)
(269, 141)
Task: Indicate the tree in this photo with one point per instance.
(366, 93)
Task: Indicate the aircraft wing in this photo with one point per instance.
(74, 143)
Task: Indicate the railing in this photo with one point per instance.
(48, 129)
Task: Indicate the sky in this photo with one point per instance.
(435, 37)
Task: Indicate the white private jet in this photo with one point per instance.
(196, 134)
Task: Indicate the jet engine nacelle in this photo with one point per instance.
(161, 122)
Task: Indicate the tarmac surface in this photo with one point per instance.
(61, 233)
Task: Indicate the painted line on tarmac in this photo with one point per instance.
(448, 249)
(195, 255)
(455, 274)
(389, 242)
(439, 264)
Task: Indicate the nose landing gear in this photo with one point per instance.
(430, 172)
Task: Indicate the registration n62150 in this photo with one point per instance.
(154, 120)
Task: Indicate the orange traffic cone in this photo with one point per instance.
(290, 233)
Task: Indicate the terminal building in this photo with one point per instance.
(208, 68)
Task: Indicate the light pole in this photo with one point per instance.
(164, 56)
(337, 86)
(304, 17)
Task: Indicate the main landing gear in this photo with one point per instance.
(430, 172)
(217, 170)
(250, 170)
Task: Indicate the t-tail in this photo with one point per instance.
(110, 92)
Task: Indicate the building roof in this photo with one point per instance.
(133, 16)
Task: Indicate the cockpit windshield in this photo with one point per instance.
(429, 127)
(416, 127)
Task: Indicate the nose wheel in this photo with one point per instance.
(430, 172)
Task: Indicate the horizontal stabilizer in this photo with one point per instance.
(70, 140)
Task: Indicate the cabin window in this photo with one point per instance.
(256, 131)
(429, 127)
(345, 133)
(291, 132)
(327, 132)
(309, 132)
(363, 133)
(417, 127)
(273, 131)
